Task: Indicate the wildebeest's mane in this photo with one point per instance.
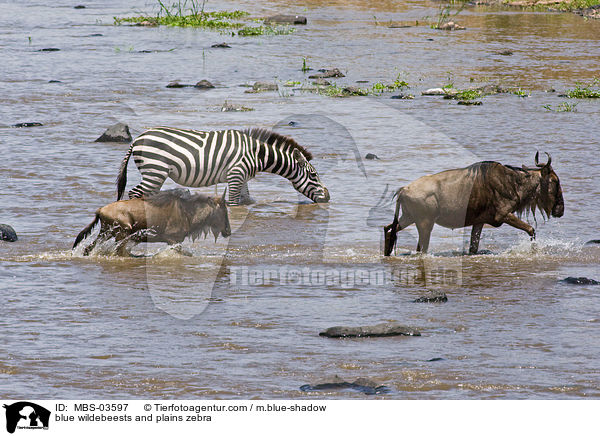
(184, 200)
(484, 171)
(274, 138)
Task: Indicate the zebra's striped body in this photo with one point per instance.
(196, 159)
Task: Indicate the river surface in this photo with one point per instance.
(239, 318)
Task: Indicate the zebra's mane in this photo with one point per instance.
(277, 139)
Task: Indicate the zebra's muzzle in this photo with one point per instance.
(324, 198)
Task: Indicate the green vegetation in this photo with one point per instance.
(591, 90)
(377, 88)
(446, 12)
(266, 30)
(563, 107)
(564, 6)
(305, 68)
(397, 84)
(465, 94)
(292, 83)
(521, 92)
(191, 13)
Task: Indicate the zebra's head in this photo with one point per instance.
(307, 181)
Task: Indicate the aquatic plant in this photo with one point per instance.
(265, 30)
(563, 107)
(446, 12)
(188, 13)
(305, 68)
(591, 90)
(521, 93)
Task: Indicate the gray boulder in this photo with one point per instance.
(335, 383)
(379, 330)
(7, 233)
(116, 133)
(286, 19)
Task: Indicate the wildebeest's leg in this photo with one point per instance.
(512, 220)
(152, 180)
(104, 235)
(122, 240)
(424, 228)
(475, 236)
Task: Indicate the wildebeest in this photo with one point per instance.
(168, 216)
(483, 193)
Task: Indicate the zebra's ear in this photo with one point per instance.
(297, 154)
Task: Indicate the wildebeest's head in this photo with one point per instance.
(550, 198)
(217, 219)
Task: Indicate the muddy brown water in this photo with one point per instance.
(240, 318)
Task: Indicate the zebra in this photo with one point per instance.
(203, 158)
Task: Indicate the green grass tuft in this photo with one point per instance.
(591, 90)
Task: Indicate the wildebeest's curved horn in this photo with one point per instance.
(224, 193)
(538, 164)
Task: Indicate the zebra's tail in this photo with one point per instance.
(85, 232)
(122, 177)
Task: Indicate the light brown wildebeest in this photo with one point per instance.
(483, 193)
(169, 216)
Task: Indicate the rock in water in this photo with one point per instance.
(19, 125)
(432, 297)
(7, 233)
(593, 241)
(326, 74)
(117, 133)
(579, 281)
(364, 385)
(371, 156)
(221, 45)
(379, 330)
(204, 84)
(286, 19)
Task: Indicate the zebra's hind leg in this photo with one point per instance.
(152, 181)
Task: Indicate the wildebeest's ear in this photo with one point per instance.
(297, 154)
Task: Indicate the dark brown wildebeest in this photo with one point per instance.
(169, 216)
(483, 193)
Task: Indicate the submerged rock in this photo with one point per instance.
(364, 385)
(7, 233)
(439, 91)
(176, 84)
(371, 156)
(450, 25)
(505, 53)
(228, 107)
(262, 87)
(469, 103)
(326, 74)
(593, 241)
(49, 49)
(403, 97)
(432, 297)
(79, 7)
(19, 125)
(379, 330)
(204, 84)
(116, 133)
(435, 359)
(321, 82)
(221, 45)
(579, 281)
(286, 19)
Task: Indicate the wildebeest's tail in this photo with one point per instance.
(397, 194)
(85, 232)
(122, 177)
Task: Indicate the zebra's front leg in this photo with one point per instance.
(235, 182)
(245, 197)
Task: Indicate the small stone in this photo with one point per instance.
(432, 297)
(371, 156)
(7, 233)
(435, 359)
(580, 281)
(54, 81)
(439, 91)
(354, 90)
(469, 103)
(79, 7)
(335, 383)
(593, 241)
(450, 25)
(403, 97)
(265, 86)
(221, 45)
(505, 53)
(116, 133)
(176, 84)
(326, 74)
(147, 24)
(383, 329)
(19, 125)
(204, 84)
(321, 82)
(286, 19)
(49, 49)
(228, 107)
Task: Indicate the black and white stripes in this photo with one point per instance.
(195, 159)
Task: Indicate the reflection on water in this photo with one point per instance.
(241, 316)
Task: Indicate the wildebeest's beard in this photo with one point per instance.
(547, 197)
